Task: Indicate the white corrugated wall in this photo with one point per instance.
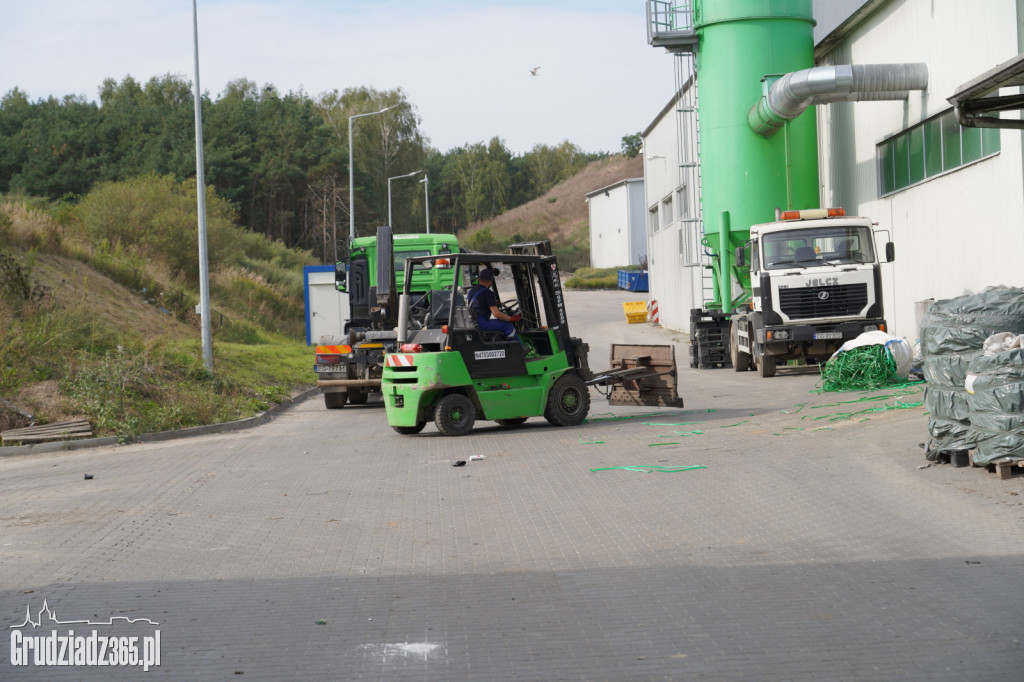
(609, 227)
(963, 230)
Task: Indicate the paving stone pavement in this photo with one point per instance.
(323, 546)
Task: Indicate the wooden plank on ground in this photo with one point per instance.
(75, 428)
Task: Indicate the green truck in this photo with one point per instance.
(349, 368)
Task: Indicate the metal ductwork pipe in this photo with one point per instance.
(860, 97)
(790, 95)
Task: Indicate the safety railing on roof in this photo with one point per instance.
(670, 23)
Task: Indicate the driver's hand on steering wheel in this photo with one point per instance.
(515, 318)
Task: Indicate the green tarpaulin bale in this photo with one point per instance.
(953, 333)
(995, 385)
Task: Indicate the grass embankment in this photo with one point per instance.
(560, 215)
(98, 301)
(597, 278)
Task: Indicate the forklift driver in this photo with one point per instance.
(484, 303)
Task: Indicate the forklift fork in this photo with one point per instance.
(641, 375)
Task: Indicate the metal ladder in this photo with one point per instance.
(688, 139)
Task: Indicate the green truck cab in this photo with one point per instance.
(349, 368)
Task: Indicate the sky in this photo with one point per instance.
(464, 65)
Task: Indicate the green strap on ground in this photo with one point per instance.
(649, 469)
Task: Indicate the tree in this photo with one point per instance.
(483, 177)
(631, 145)
(384, 146)
(547, 166)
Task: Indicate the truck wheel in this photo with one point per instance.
(357, 397)
(409, 430)
(335, 401)
(766, 366)
(455, 415)
(740, 360)
(568, 401)
(515, 421)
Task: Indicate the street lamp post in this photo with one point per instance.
(351, 177)
(397, 177)
(426, 199)
(206, 333)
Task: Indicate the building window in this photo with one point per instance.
(666, 211)
(935, 146)
(652, 220)
(682, 202)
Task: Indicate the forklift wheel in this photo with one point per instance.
(516, 421)
(455, 415)
(335, 401)
(568, 401)
(409, 430)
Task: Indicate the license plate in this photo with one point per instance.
(328, 368)
(828, 335)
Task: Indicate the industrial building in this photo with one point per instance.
(950, 196)
(618, 233)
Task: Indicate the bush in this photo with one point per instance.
(597, 278)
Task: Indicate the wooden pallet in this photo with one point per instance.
(75, 428)
(1006, 468)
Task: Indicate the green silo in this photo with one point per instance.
(744, 45)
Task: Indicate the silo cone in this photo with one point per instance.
(742, 173)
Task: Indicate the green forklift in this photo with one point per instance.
(449, 371)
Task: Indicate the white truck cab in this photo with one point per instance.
(815, 282)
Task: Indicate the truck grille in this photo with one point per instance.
(841, 300)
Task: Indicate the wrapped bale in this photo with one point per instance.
(953, 333)
(995, 395)
(872, 360)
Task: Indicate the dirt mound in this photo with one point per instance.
(73, 283)
(562, 214)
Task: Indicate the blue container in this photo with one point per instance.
(632, 280)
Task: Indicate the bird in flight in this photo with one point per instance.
(533, 71)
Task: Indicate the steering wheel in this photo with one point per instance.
(509, 307)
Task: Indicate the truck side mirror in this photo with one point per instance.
(890, 252)
(340, 277)
(741, 256)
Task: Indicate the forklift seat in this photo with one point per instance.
(440, 306)
(465, 318)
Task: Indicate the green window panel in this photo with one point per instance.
(916, 151)
(933, 147)
(950, 142)
(937, 145)
(901, 161)
(989, 141)
(888, 174)
(971, 144)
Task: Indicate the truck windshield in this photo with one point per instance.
(400, 257)
(805, 247)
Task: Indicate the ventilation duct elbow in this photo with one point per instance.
(790, 95)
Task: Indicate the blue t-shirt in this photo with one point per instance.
(480, 299)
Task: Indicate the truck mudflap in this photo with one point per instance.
(640, 375)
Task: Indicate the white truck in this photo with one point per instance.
(815, 282)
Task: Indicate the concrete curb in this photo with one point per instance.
(237, 425)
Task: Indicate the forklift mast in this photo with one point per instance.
(538, 248)
(386, 297)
